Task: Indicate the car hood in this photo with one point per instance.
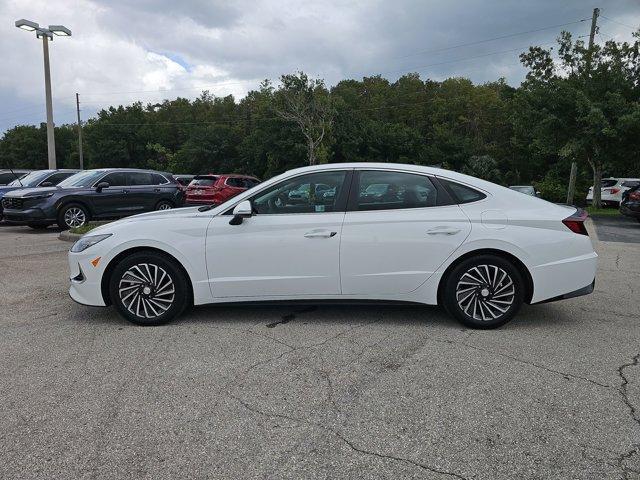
(6, 189)
(159, 215)
(30, 192)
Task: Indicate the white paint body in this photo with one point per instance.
(396, 255)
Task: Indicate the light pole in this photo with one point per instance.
(46, 34)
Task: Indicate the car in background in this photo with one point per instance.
(526, 189)
(216, 189)
(93, 194)
(612, 190)
(183, 180)
(630, 204)
(9, 175)
(38, 178)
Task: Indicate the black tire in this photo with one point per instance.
(147, 307)
(164, 205)
(65, 223)
(484, 298)
(38, 226)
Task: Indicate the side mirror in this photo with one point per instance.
(101, 185)
(242, 210)
(46, 184)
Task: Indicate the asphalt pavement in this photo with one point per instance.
(314, 392)
(617, 229)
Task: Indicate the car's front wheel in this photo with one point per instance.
(485, 291)
(164, 205)
(73, 215)
(149, 288)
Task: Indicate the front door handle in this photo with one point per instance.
(320, 234)
(443, 231)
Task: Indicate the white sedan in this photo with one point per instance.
(400, 233)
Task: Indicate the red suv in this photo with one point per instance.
(216, 189)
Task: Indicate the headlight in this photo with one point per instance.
(40, 195)
(87, 241)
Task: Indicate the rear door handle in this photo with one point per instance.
(443, 231)
(320, 234)
(156, 189)
(124, 190)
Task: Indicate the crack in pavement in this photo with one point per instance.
(291, 316)
(346, 441)
(632, 412)
(524, 362)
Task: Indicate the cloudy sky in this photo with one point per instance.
(127, 50)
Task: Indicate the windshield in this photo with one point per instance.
(608, 183)
(82, 179)
(30, 180)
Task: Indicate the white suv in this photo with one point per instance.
(612, 190)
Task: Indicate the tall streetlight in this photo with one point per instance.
(46, 34)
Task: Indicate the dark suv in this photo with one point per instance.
(93, 194)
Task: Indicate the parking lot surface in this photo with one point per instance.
(618, 229)
(314, 392)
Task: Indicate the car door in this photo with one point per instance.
(284, 249)
(398, 229)
(141, 192)
(110, 201)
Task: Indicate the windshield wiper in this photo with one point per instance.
(17, 177)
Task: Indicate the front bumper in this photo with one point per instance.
(28, 215)
(86, 278)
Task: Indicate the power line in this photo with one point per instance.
(620, 23)
(501, 37)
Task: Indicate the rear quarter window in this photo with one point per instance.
(462, 193)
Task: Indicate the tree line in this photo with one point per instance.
(578, 105)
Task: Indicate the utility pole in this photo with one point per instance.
(51, 139)
(594, 20)
(79, 132)
(572, 177)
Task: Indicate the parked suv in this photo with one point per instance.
(612, 190)
(630, 205)
(93, 194)
(39, 178)
(7, 176)
(216, 189)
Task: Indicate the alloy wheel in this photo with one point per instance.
(485, 292)
(146, 290)
(164, 206)
(74, 217)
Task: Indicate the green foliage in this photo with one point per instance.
(553, 188)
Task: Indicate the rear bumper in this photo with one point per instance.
(576, 293)
(557, 279)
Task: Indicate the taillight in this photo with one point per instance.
(575, 222)
(614, 191)
(635, 196)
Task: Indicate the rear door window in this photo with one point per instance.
(385, 190)
(235, 182)
(140, 179)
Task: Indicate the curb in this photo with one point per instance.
(66, 236)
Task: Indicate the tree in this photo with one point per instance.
(482, 166)
(306, 102)
(586, 115)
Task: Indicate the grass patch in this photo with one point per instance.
(603, 212)
(86, 228)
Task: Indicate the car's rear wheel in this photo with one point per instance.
(149, 288)
(484, 291)
(73, 215)
(164, 205)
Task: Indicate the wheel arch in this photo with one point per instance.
(68, 201)
(522, 268)
(106, 276)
